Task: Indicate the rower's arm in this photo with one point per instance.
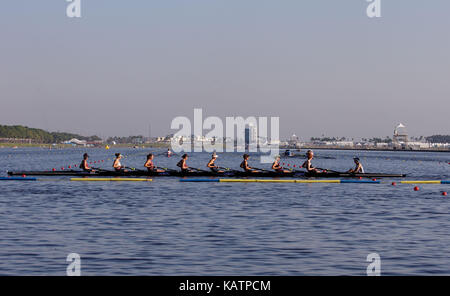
(309, 166)
(359, 168)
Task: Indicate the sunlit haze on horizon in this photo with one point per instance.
(322, 66)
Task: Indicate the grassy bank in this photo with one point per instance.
(60, 146)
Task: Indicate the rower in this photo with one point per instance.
(211, 165)
(244, 165)
(118, 167)
(358, 167)
(84, 164)
(277, 167)
(183, 165)
(151, 167)
(308, 165)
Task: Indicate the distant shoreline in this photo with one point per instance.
(63, 146)
(167, 145)
(369, 149)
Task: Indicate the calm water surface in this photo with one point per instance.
(166, 227)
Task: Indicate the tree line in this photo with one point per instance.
(430, 139)
(438, 139)
(39, 135)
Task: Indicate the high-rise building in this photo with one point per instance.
(251, 136)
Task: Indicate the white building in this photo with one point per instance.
(400, 139)
(76, 142)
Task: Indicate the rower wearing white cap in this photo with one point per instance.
(212, 166)
(277, 167)
(117, 165)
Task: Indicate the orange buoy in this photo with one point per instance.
(444, 193)
(393, 183)
(416, 188)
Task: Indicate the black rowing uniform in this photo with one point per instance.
(278, 168)
(311, 169)
(83, 166)
(213, 168)
(244, 165)
(180, 165)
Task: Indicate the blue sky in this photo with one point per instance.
(323, 66)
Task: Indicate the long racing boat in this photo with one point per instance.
(231, 173)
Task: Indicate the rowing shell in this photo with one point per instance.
(232, 174)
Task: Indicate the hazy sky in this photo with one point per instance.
(323, 66)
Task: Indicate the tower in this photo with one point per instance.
(400, 139)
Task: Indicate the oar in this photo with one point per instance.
(169, 170)
(295, 171)
(199, 170)
(329, 170)
(263, 170)
(230, 170)
(134, 169)
(100, 170)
